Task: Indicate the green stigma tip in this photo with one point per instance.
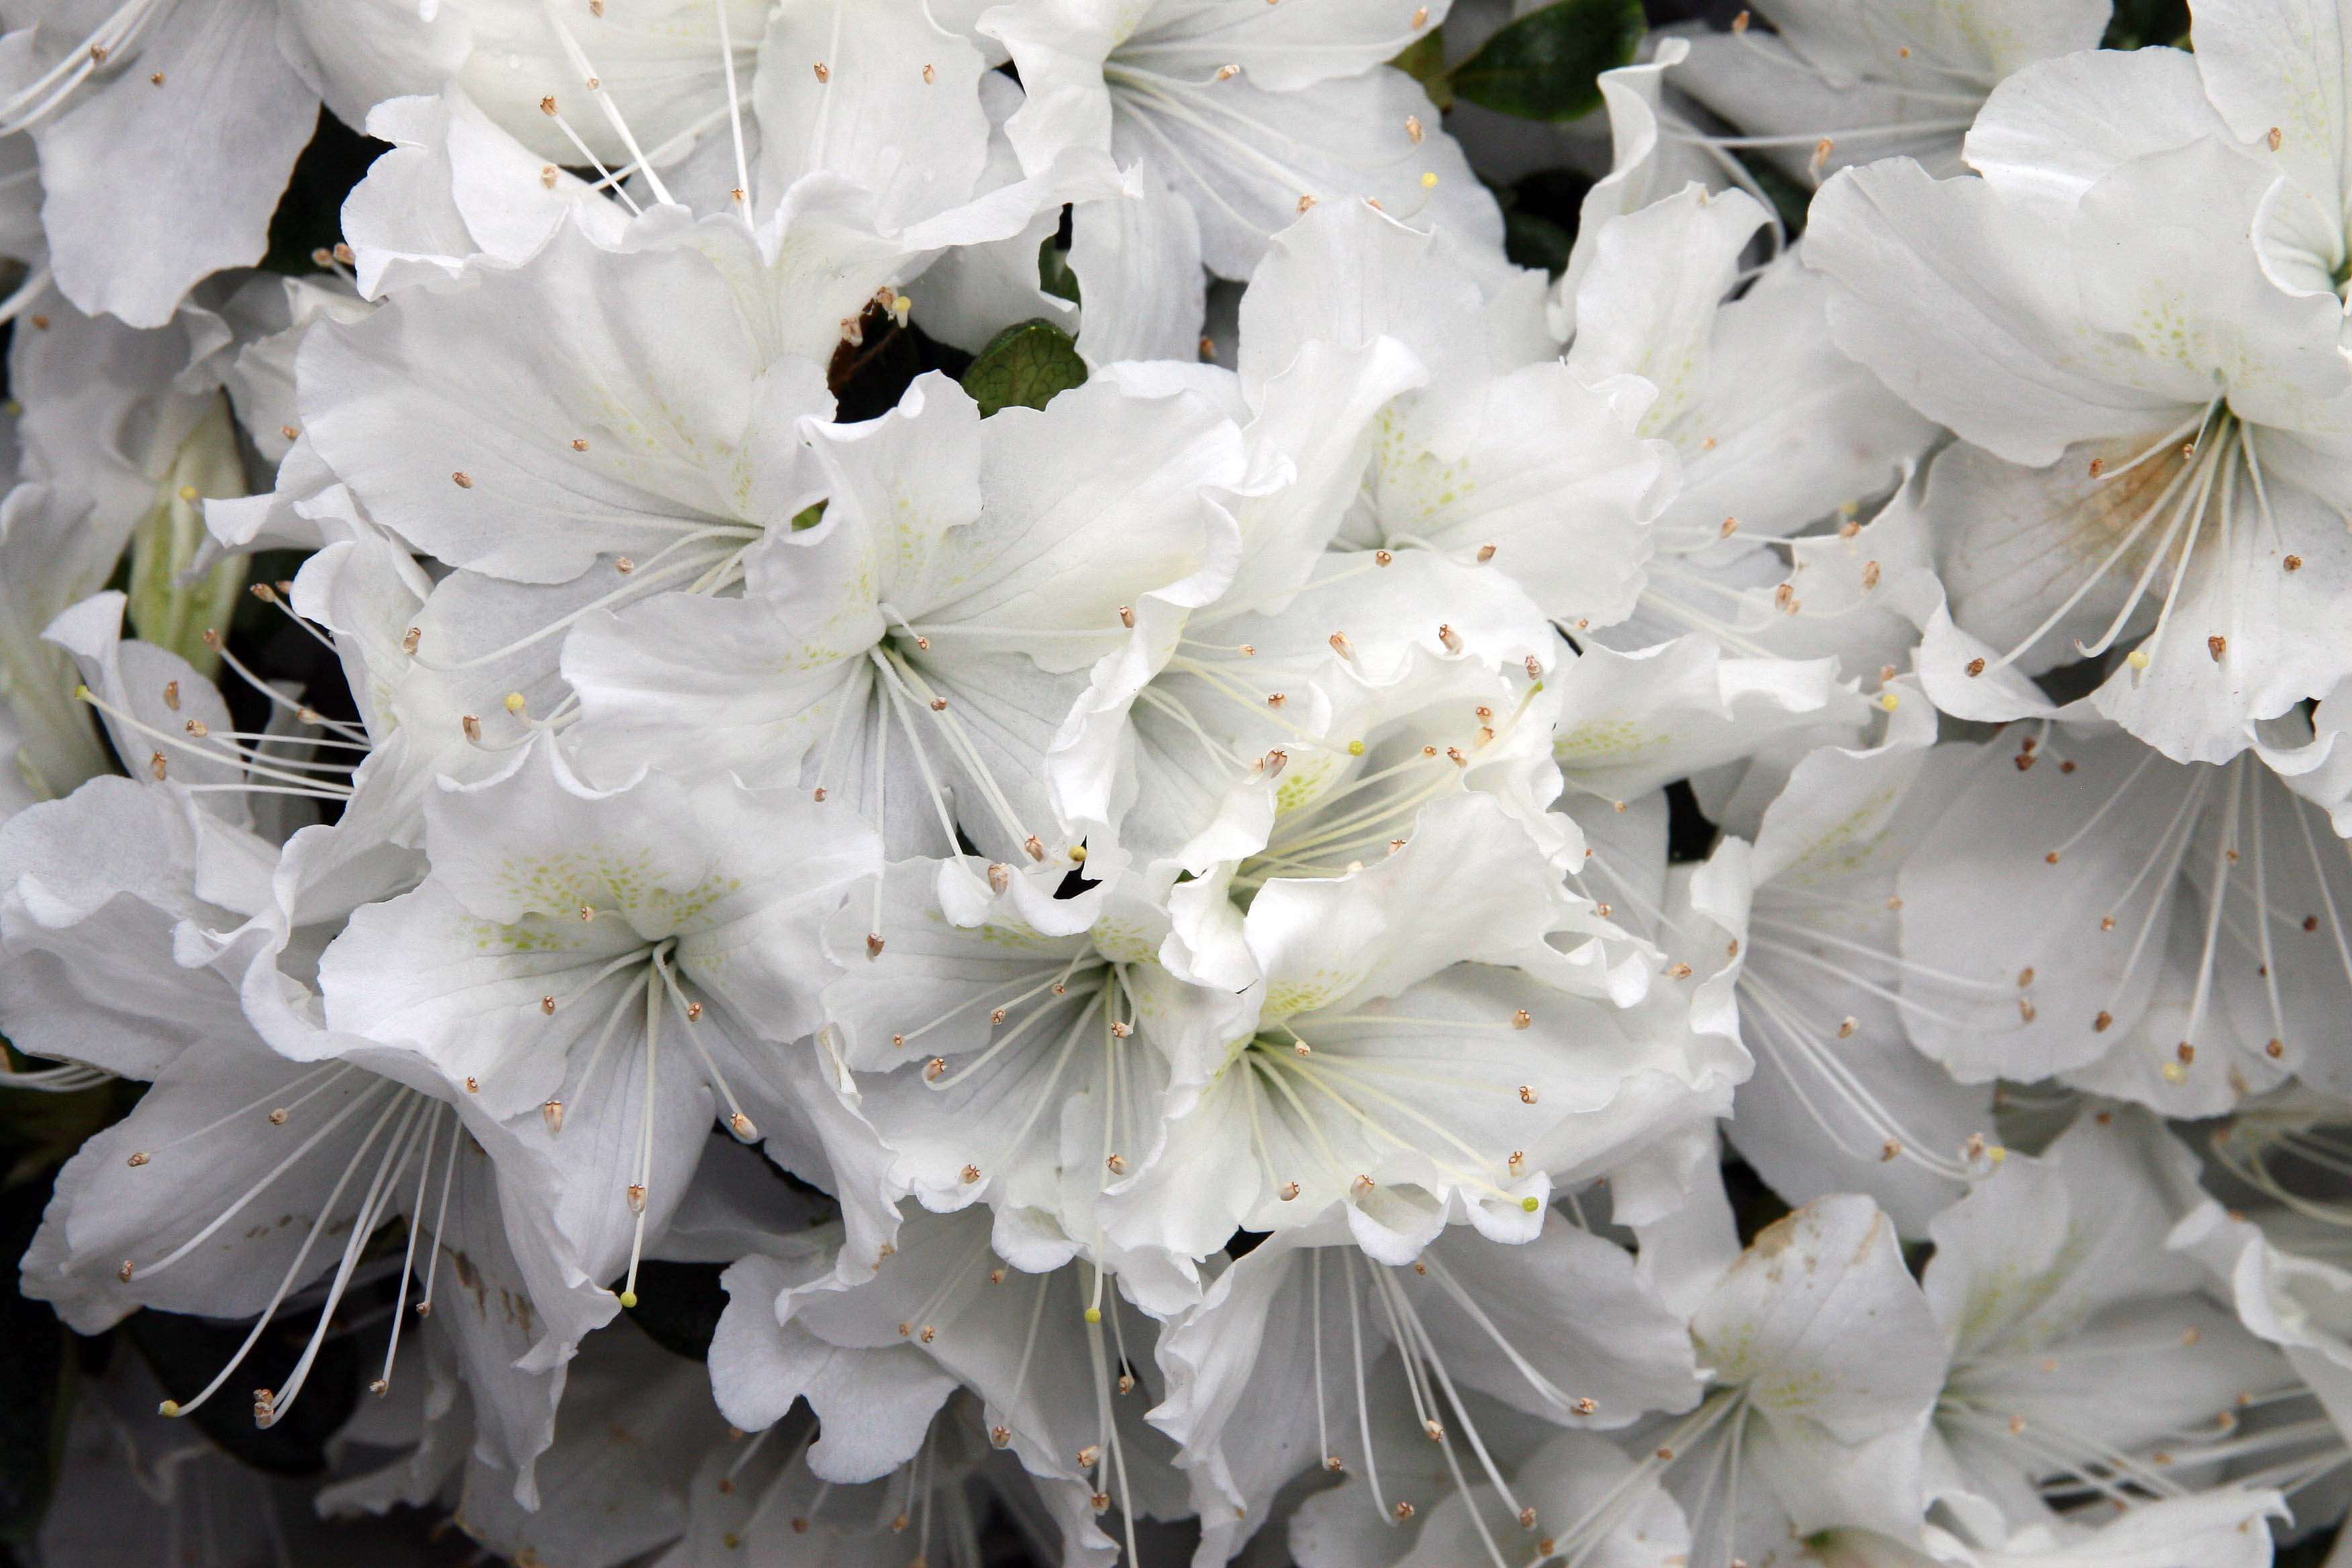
(628, 1297)
(169, 1407)
(1094, 1314)
(1530, 1204)
(1355, 748)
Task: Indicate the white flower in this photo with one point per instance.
(2153, 414)
(565, 936)
(1421, 1385)
(2171, 934)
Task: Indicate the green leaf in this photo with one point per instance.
(1027, 364)
(1053, 274)
(1547, 65)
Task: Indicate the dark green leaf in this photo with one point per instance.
(186, 1351)
(678, 1306)
(309, 216)
(1024, 365)
(35, 1376)
(1547, 65)
(809, 516)
(1530, 240)
(2137, 24)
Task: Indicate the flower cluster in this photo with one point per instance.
(1182, 839)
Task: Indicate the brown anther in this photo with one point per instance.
(1127, 615)
(1450, 638)
(929, 76)
(1889, 1150)
(1001, 1437)
(172, 695)
(472, 726)
(824, 71)
(939, 704)
(1582, 1408)
(2186, 1052)
(1420, 18)
(2051, 859)
(1870, 574)
(2311, 923)
(1519, 1158)
(1459, 761)
(1305, 203)
(1000, 876)
(1382, 557)
(548, 174)
(408, 639)
(1847, 1026)
(2098, 467)
(462, 479)
(1035, 846)
(1522, 1018)
(2066, 766)
(872, 945)
(1436, 1430)
(156, 765)
(1336, 1465)
(2217, 645)
(473, 1085)
(2292, 563)
(1120, 1029)
(2106, 922)
(996, 1276)
(1404, 1510)
(2103, 1023)
(552, 1114)
(1666, 1453)
(198, 728)
(1679, 971)
(2275, 1049)
(1341, 646)
(934, 1069)
(2274, 138)
(1290, 1190)
(971, 1173)
(1276, 699)
(137, 1160)
(277, 1117)
(2025, 1009)
(1528, 1094)
(1535, 670)
(1116, 1164)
